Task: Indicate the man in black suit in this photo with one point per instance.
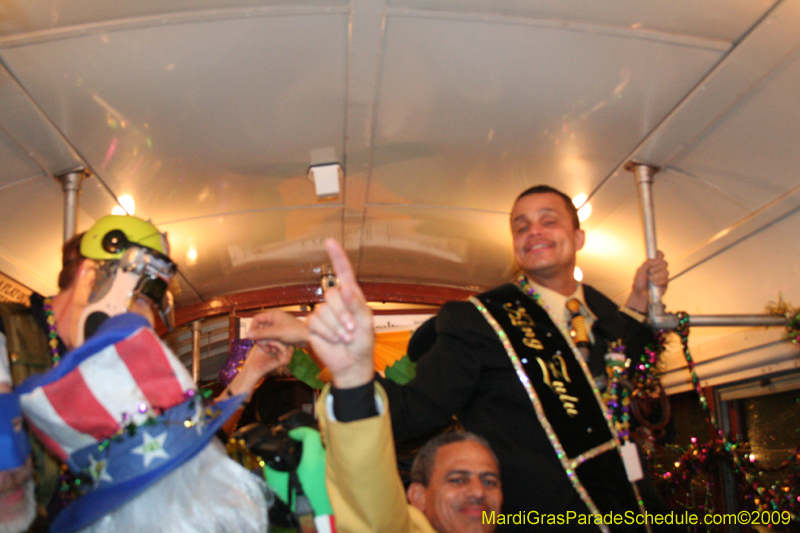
(505, 364)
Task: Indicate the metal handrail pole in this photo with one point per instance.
(643, 175)
(657, 315)
(197, 326)
(737, 320)
(71, 183)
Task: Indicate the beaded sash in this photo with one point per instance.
(558, 383)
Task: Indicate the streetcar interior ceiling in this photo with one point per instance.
(210, 114)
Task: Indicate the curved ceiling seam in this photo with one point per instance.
(438, 208)
(680, 39)
(163, 19)
(366, 32)
(249, 211)
(759, 37)
(750, 225)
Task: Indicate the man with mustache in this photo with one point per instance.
(455, 481)
(455, 477)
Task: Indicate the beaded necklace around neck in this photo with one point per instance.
(52, 334)
(527, 287)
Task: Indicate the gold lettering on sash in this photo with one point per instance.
(553, 372)
(520, 318)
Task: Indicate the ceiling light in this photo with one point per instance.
(126, 205)
(326, 179)
(326, 172)
(585, 211)
(578, 274)
(584, 207)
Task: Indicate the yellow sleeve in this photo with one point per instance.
(361, 476)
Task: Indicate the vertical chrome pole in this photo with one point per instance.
(643, 175)
(71, 184)
(196, 328)
(658, 317)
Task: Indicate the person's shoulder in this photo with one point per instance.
(504, 290)
(456, 315)
(597, 301)
(464, 314)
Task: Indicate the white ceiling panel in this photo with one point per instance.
(732, 282)
(247, 251)
(524, 103)
(39, 19)
(711, 19)
(16, 165)
(200, 118)
(436, 247)
(750, 155)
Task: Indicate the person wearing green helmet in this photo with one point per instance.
(109, 408)
(132, 271)
(90, 262)
(34, 337)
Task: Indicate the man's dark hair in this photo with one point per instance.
(423, 463)
(541, 189)
(71, 259)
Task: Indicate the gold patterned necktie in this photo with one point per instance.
(578, 328)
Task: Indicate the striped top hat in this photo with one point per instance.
(124, 411)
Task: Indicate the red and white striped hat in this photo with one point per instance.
(122, 409)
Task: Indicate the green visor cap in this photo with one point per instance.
(110, 236)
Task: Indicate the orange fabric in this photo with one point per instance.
(390, 347)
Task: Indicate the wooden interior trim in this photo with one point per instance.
(312, 293)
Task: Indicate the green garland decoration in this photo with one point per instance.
(781, 496)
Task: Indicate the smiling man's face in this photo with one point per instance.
(545, 237)
(464, 483)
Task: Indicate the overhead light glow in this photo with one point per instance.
(578, 274)
(585, 211)
(191, 256)
(584, 207)
(126, 206)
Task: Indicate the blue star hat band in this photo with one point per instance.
(135, 460)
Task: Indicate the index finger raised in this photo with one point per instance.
(340, 261)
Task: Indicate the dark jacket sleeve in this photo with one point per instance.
(447, 374)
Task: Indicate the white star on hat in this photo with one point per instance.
(151, 448)
(199, 418)
(97, 469)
